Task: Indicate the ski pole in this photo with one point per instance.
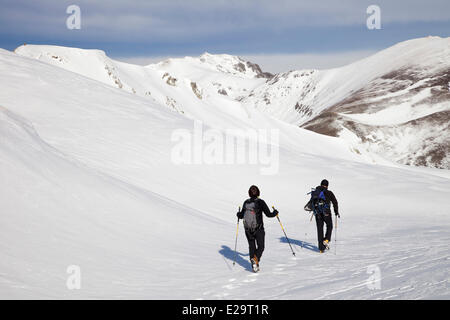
(284, 233)
(235, 244)
(335, 234)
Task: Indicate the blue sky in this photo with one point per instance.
(137, 29)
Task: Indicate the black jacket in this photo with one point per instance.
(260, 207)
(329, 197)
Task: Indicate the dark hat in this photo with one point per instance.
(324, 183)
(253, 192)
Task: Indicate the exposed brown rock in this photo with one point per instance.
(259, 74)
(325, 123)
(239, 67)
(196, 90)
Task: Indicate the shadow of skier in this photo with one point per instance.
(229, 253)
(300, 243)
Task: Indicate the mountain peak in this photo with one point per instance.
(223, 63)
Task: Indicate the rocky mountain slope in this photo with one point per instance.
(395, 103)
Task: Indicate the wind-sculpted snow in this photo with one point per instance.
(87, 179)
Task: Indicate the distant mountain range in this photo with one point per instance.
(394, 104)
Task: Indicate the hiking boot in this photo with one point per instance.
(326, 243)
(255, 264)
(321, 251)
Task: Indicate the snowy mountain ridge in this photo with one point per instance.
(204, 87)
(394, 104)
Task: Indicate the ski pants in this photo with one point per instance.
(320, 220)
(256, 242)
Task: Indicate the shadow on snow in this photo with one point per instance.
(300, 243)
(229, 254)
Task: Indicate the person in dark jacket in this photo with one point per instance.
(326, 217)
(251, 212)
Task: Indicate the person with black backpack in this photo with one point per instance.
(251, 213)
(321, 198)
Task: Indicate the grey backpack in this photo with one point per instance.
(250, 222)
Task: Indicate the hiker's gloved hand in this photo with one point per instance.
(337, 215)
(275, 212)
(239, 215)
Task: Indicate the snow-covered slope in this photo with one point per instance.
(191, 86)
(87, 178)
(56, 212)
(395, 103)
(201, 87)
